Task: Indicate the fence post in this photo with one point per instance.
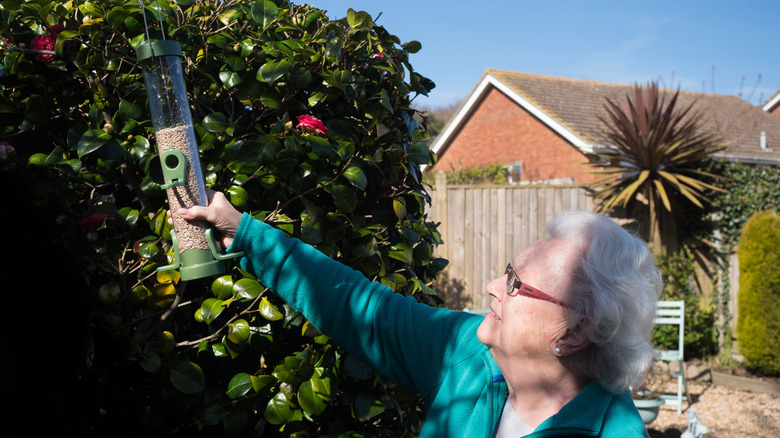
(440, 210)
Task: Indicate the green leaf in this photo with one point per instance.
(148, 247)
(227, 17)
(290, 371)
(247, 289)
(219, 350)
(358, 20)
(399, 207)
(401, 251)
(130, 110)
(211, 309)
(187, 377)
(264, 13)
(367, 406)
(272, 71)
(309, 330)
(222, 287)
(261, 382)
(238, 331)
(412, 46)
(244, 156)
(237, 195)
(269, 311)
(311, 231)
(333, 50)
(343, 197)
(356, 176)
(278, 411)
(384, 99)
(314, 395)
(91, 141)
(230, 78)
(239, 385)
(150, 362)
(216, 122)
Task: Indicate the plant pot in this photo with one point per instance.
(648, 409)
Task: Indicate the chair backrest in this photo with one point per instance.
(672, 312)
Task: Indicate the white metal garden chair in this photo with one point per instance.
(673, 312)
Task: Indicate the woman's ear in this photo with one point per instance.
(573, 341)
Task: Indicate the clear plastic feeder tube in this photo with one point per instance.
(178, 149)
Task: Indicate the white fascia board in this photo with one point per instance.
(489, 80)
(544, 117)
(461, 114)
(772, 102)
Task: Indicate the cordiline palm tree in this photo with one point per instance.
(655, 152)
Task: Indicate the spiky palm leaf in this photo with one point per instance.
(655, 147)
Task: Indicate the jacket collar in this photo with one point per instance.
(583, 415)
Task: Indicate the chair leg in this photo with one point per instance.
(682, 382)
(679, 394)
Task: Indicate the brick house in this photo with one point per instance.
(541, 127)
(772, 105)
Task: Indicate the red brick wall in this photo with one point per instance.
(500, 131)
(775, 111)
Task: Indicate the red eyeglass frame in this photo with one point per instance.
(513, 283)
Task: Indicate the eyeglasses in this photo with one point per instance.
(513, 283)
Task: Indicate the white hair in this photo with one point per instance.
(615, 287)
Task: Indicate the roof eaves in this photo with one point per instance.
(750, 159)
(542, 115)
(771, 103)
(460, 115)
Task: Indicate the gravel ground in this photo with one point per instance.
(726, 412)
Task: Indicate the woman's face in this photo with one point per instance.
(523, 326)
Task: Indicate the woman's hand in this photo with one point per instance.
(220, 213)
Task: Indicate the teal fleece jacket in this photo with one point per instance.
(434, 351)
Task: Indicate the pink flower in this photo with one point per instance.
(6, 151)
(43, 42)
(312, 125)
(56, 29)
(378, 56)
(96, 220)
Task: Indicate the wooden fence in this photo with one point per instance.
(485, 226)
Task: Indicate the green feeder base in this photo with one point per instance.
(199, 263)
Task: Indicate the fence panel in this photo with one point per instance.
(485, 226)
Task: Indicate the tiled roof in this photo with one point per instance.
(577, 104)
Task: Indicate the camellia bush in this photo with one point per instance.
(304, 122)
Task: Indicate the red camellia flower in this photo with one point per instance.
(312, 125)
(96, 220)
(43, 42)
(6, 151)
(56, 29)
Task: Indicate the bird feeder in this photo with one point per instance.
(197, 254)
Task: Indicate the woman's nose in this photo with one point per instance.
(496, 287)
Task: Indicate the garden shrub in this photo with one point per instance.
(489, 174)
(700, 338)
(758, 317)
(115, 347)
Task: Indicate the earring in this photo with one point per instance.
(557, 350)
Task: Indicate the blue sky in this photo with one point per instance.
(726, 47)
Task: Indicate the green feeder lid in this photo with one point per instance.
(158, 48)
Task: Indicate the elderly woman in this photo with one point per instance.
(566, 336)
